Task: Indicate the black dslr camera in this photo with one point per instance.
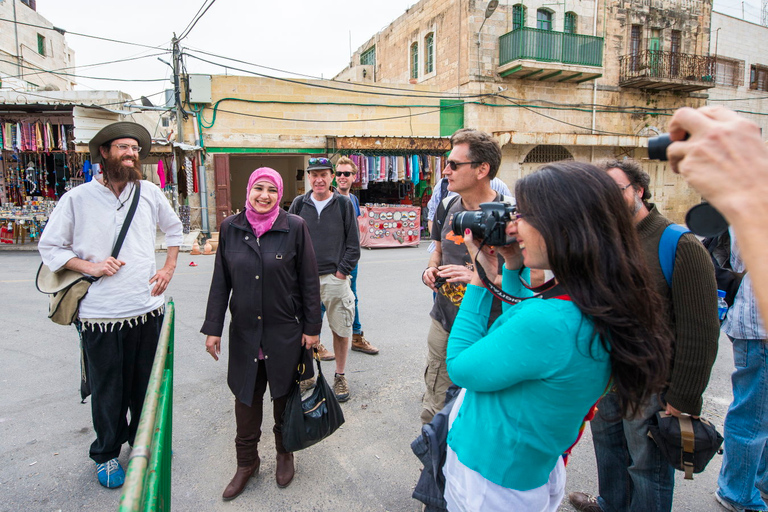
(703, 219)
(488, 224)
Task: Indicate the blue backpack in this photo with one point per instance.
(668, 249)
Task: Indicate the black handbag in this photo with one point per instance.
(308, 421)
(687, 443)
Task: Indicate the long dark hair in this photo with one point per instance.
(595, 254)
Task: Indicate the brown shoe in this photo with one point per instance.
(285, 470)
(360, 344)
(584, 502)
(325, 354)
(237, 485)
(341, 388)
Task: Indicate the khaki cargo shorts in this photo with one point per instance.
(339, 301)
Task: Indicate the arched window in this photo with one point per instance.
(569, 26)
(518, 16)
(544, 19)
(415, 60)
(545, 154)
(429, 53)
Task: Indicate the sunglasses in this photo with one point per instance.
(345, 173)
(319, 161)
(455, 165)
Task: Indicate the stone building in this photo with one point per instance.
(30, 43)
(585, 80)
(742, 67)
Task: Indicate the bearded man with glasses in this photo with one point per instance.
(121, 316)
(472, 164)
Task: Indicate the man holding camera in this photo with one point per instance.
(633, 475)
(472, 164)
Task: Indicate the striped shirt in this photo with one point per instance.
(743, 320)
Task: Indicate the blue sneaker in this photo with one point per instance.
(111, 474)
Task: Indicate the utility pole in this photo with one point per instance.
(179, 122)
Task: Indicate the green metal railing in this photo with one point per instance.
(148, 479)
(550, 46)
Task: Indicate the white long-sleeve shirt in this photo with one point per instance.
(85, 225)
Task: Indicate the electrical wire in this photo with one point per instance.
(321, 86)
(58, 70)
(358, 84)
(196, 19)
(563, 122)
(193, 17)
(39, 70)
(60, 30)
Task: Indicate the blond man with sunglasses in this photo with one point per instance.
(346, 174)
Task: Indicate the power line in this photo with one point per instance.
(321, 86)
(195, 20)
(88, 77)
(62, 31)
(57, 71)
(373, 86)
(560, 120)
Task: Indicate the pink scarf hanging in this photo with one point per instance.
(262, 222)
(161, 173)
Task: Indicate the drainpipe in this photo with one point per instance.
(594, 82)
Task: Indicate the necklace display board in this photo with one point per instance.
(389, 225)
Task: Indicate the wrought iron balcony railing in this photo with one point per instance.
(550, 46)
(655, 68)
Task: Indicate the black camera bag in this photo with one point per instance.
(687, 443)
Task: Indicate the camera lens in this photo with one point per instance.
(468, 220)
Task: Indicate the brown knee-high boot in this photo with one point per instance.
(248, 421)
(285, 466)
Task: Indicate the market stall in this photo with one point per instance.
(389, 226)
(394, 171)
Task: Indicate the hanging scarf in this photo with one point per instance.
(262, 222)
(161, 173)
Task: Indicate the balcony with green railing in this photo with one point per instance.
(547, 55)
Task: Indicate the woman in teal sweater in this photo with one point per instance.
(532, 377)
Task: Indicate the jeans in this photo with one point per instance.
(356, 327)
(744, 472)
(632, 473)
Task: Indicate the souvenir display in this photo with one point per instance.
(390, 225)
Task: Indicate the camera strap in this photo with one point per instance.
(500, 294)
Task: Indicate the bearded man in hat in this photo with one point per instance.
(121, 316)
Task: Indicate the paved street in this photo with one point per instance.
(45, 432)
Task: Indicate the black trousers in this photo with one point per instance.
(248, 421)
(119, 365)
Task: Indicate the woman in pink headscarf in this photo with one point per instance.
(266, 272)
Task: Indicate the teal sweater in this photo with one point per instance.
(530, 378)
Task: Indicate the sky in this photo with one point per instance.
(311, 37)
(301, 36)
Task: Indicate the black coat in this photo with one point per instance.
(275, 298)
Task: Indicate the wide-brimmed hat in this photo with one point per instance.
(319, 164)
(121, 130)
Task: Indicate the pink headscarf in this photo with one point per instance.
(262, 222)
